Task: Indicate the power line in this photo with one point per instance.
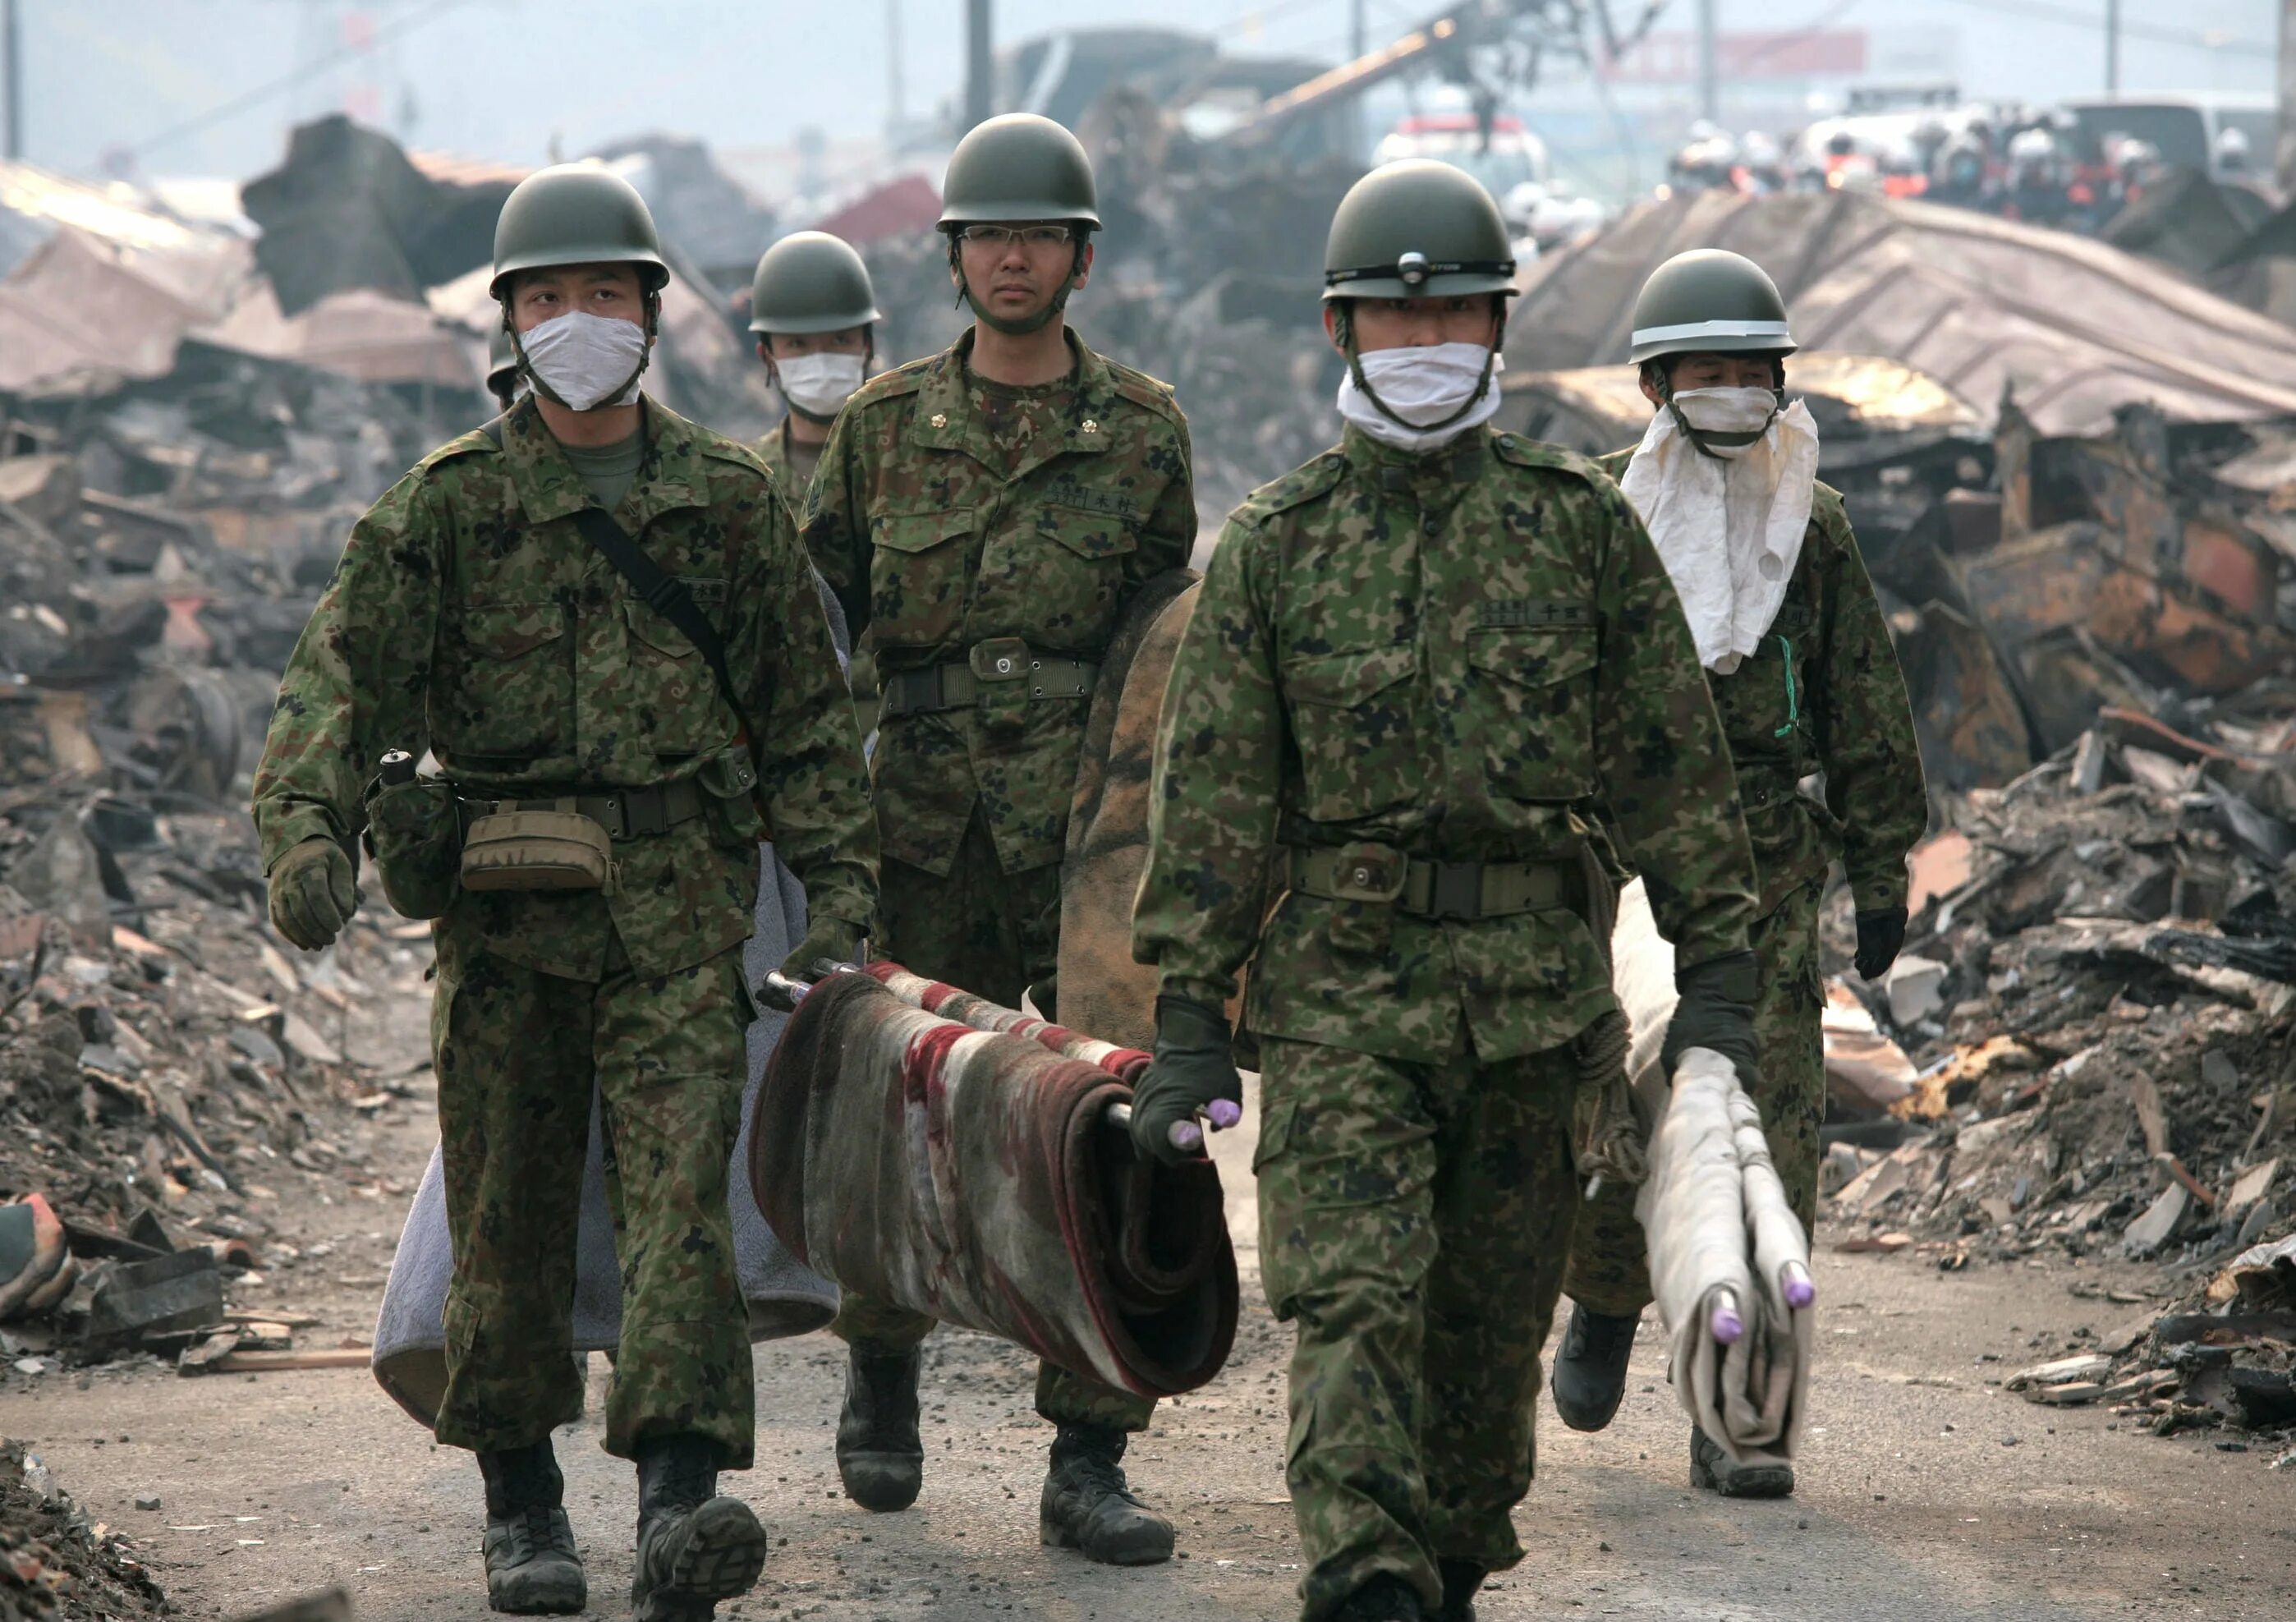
(288, 81)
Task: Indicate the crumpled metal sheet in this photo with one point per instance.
(2073, 327)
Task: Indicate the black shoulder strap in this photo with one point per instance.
(665, 595)
(663, 592)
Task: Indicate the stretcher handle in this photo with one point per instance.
(782, 993)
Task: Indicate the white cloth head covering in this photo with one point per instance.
(1728, 526)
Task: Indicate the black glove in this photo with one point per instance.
(312, 893)
(826, 939)
(1717, 1011)
(1192, 1067)
(1881, 934)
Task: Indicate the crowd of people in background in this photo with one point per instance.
(2053, 168)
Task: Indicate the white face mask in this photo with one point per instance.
(588, 361)
(1423, 386)
(819, 383)
(1728, 411)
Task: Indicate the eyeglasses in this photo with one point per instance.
(1002, 237)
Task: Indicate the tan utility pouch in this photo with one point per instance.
(536, 850)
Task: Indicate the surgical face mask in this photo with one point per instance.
(1426, 387)
(818, 384)
(585, 362)
(1729, 422)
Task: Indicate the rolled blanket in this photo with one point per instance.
(925, 1147)
(1725, 1247)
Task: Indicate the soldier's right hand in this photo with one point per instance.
(312, 896)
(1194, 1067)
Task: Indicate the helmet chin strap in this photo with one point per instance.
(1344, 320)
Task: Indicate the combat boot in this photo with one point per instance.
(694, 1547)
(1087, 1504)
(879, 1457)
(1590, 1371)
(1385, 1598)
(531, 1567)
(1711, 1469)
(1461, 1579)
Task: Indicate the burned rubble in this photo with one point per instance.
(55, 1563)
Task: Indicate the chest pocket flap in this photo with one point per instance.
(1534, 704)
(1351, 718)
(920, 531)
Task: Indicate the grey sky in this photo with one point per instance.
(501, 79)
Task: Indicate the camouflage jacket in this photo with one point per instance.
(1454, 655)
(469, 616)
(775, 451)
(1823, 693)
(934, 547)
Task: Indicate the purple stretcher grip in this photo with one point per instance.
(1185, 1135)
(1225, 1114)
(1725, 1323)
(1796, 1285)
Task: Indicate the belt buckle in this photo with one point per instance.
(1456, 891)
(656, 822)
(1368, 872)
(1000, 659)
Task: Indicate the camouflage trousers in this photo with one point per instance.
(1413, 1220)
(994, 934)
(516, 1051)
(1610, 1268)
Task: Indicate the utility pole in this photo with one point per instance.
(979, 63)
(12, 42)
(1710, 90)
(2112, 47)
(2284, 159)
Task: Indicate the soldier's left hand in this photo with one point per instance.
(1881, 936)
(826, 940)
(1194, 1067)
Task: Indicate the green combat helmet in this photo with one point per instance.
(812, 282)
(1708, 301)
(1019, 166)
(576, 213)
(1417, 229)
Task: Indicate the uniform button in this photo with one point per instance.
(1431, 525)
(1363, 875)
(1090, 426)
(1004, 667)
(941, 419)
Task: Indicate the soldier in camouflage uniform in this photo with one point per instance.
(471, 613)
(1417, 665)
(815, 313)
(1820, 693)
(984, 516)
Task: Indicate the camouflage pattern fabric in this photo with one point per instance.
(792, 466)
(993, 934)
(946, 515)
(1412, 1219)
(1459, 655)
(1823, 693)
(515, 1050)
(1841, 710)
(469, 615)
(1610, 1260)
(1456, 655)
